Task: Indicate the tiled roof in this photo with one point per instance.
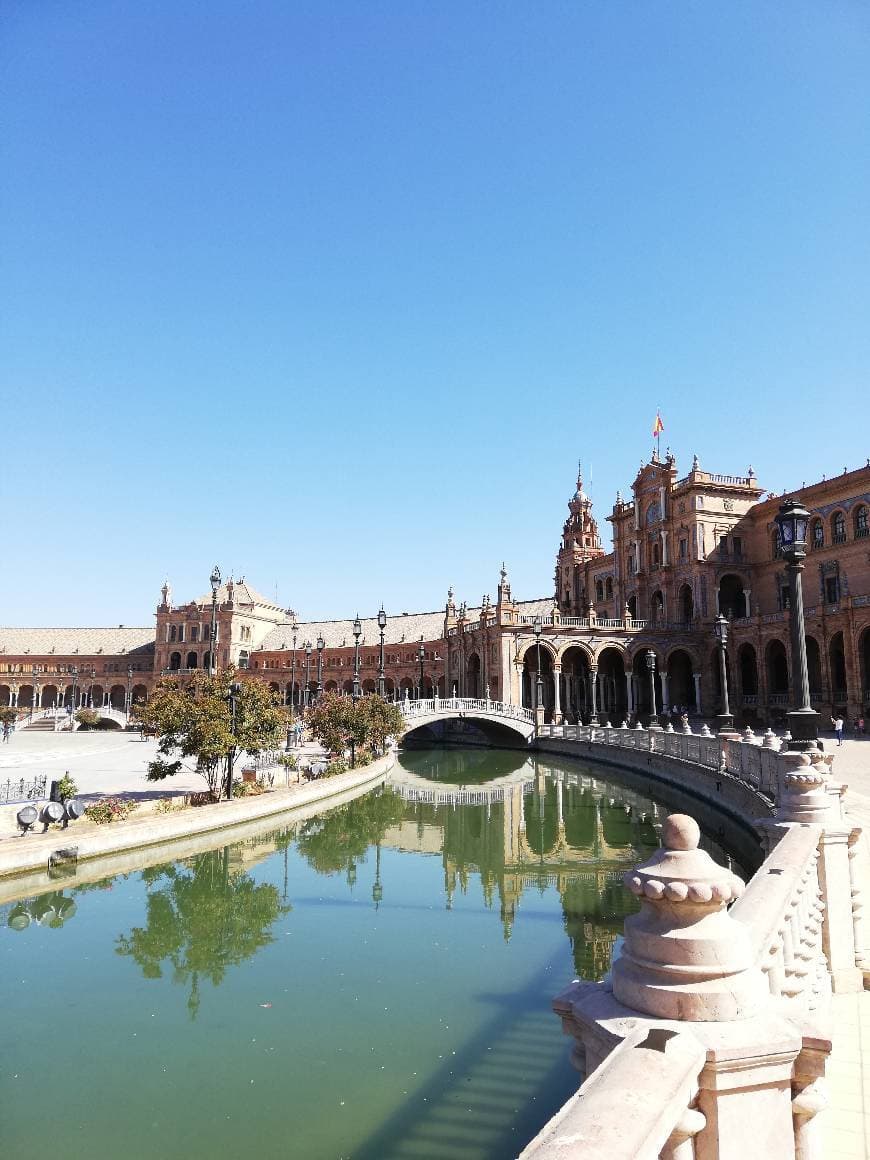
(69, 641)
(339, 633)
(243, 593)
(542, 607)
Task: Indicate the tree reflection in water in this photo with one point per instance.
(202, 918)
(337, 840)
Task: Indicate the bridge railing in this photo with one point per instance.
(430, 705)
(457, 795)
(747, 760)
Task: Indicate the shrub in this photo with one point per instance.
(87, 718)
(67, 788)
(110, 809)
(339, 765)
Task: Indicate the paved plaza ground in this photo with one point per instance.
(115, 763)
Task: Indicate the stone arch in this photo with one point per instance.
(686, 603)
(657, 606)
(732, 602)
(861, 522)
(817, 533)
(473, 676)
(389, 686)
(331, 686)
(580, 646)
(814, 667)
(631, 605)
(864, 660)
(838, 527)
(679, 667)
(368, 686)
(49, 696)
(192, 660)
(776, 663)
(5, 695)
(531, 659)
(347, 688)
(837, 661)
(576, 661)
(139, 694)
(25, 697)
(98, 696)
(175, 661)
(118, 697)
(612, 693)
(528, 645)
(747, 666)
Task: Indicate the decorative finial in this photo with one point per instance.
(696, 466)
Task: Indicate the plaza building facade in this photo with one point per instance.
(685, 548)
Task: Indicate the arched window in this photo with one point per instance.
(838, 528)
(191, 660)
(776, 545)
(194, 633)
(599, 590)
(656, 555)
(173, 632)
(175, 661)
(861, 524)
(817, 538)
(608, 589)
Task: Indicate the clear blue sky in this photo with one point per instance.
(336, 294)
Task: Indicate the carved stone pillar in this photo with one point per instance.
(629, 692)
(593, 681)
(557, 695)
(696, 677)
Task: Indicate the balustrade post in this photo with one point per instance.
(857, 899)
(557, 695)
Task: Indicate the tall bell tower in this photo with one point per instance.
(580, 543)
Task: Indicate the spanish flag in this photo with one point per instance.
(658, 426)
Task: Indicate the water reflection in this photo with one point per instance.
(52, 910)
(202, 917)
(464, 766)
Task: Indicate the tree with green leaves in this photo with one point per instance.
(338, 722)
(211, 719)
(201, 917)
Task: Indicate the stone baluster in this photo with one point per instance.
(857, 898)
(680, 1145)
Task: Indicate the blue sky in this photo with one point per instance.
(336, 294)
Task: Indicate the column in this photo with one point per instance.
(593, 680)
(557, 694)
(746, 605)
(629, 693)
(666, 699)
(560, 818)
(696, 677)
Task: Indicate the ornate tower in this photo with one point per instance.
(580, 543)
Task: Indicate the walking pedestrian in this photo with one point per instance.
(837, 722)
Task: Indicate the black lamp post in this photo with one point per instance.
(292, 681)
(539, 679)
(235, 689)
(803, 721)
(357, 633)
(377, 889)
(421, 657)
(307, 672)
(725, 718)
(215, 581)
(75, 688)
(651, 667)
(34, 700)
(91, 688)
(129, 691)
(321, 644)
(382, 624)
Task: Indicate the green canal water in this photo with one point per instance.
(372, 983)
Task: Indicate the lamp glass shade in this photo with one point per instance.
(215, 579)
(650, 659)
(720, 627)
(321, 644)
(357, 627)
(382, 620)
(537, 626)
(792, 522)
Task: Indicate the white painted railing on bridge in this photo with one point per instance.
(455, 796)
(434, 705)
(752, 760)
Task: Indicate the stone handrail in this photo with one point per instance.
(429, 705)
(782, 909)
(751, 761)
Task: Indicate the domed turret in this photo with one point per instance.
(580, 543)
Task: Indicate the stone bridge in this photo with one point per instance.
(480, 710)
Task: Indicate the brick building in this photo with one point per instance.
(684, 549)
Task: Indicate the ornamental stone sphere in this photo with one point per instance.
(680, 832)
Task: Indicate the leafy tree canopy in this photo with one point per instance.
(337, 721)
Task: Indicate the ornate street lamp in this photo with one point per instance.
(720, 628)
(377, 888)
(307, 673)
(803, 721)
(293, 672)
(34, 699)
(539, 680)
(129, 691)
(382, 624)
(215, 581)
(357, 633)
(91, 687)
(421, 657)
(321, 644)
(233, 694)
(651, 667)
